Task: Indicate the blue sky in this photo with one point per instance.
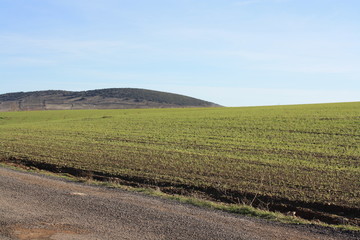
(232, 52)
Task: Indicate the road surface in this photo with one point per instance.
(33, 206)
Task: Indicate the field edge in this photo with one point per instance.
(336, 216)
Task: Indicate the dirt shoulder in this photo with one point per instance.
(33, 206)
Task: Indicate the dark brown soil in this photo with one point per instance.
(33, 206)
(330, 214)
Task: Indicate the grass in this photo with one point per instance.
(307, 153)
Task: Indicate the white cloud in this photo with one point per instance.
(284, 52)
(28, 61)
(237, 96)
(19, 50)
(249, 2)
(18, 43)
(245, 54)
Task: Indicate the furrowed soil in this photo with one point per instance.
(303, 159)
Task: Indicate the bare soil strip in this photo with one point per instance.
(33, 206)
(330, 214)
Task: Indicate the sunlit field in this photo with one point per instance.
(305, 153)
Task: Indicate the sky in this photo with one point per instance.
(231, 52)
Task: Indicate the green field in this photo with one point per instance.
(308, 153)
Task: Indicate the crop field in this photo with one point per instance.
(308, 153)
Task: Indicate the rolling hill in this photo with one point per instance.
(112, 98)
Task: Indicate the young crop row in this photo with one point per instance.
(309, 153)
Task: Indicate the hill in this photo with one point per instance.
(112, 98)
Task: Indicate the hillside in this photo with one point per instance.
(113, 98)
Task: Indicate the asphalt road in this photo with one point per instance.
(33, 206)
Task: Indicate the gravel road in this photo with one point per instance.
(33, 206)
